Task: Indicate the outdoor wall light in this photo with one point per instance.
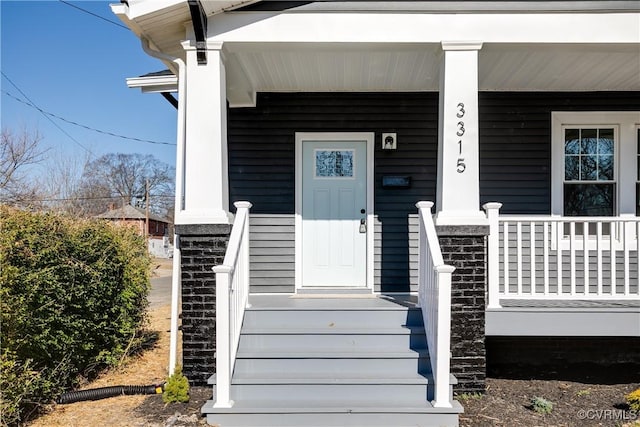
(389, 141)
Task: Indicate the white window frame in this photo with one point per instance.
(625, 155)
(625, 158)
(616, 144)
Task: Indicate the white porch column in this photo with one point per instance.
(204, 164)
(458, 191)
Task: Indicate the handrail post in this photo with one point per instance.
(443, 336)
(223, 341)
(493, 253)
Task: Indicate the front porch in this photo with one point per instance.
(347, 359)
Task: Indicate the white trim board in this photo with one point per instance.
(369, 138)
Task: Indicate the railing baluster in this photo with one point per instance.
(559, 226)
(572, 256)
(519, 256)
(599, 244)
(545, 250)
(612, 258)
(625, 248)
(585, 256)
(532, 256)
(507, 258)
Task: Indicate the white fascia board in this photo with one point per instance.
(386, 28)
(154, 84)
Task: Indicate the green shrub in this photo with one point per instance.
(177, 388)
(633, 400)
(541, 405)
(72, 300)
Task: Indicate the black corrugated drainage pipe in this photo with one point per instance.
(104, 392)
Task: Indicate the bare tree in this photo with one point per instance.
(118, 178)
(63, 184)
(19, 152)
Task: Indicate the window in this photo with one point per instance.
(589, 171)
(595, 157)
(334, 163)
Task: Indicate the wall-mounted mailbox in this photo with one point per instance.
(396, 181)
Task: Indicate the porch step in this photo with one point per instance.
(331, 413)
(331, 362)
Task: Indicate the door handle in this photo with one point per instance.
(363, 225)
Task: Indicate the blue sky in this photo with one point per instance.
(74, 65)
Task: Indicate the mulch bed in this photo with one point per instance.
(506, 403)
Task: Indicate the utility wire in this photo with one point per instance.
(93, 14)
(45, 115)
(85, 126)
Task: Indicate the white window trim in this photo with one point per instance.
(625, 156)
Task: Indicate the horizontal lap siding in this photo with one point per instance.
(515, 143)
(262, 171)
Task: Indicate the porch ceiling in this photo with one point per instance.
(383, 68)
(402, 60)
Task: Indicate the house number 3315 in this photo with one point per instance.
(460, 166)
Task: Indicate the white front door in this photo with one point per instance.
(334, 213)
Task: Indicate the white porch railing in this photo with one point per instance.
(550, 257)
(434, 296)
(232, 295)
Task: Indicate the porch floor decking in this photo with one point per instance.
(575, 317)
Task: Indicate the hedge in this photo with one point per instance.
(73, 297)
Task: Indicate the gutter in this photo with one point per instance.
(181, 139)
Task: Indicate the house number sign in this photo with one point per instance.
(460, 166)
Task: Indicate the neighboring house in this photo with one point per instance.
(312, 285)
(157, 232)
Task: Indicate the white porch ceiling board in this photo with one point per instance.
(585, 68)
(340, 70)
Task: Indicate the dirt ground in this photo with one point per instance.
(506, 402)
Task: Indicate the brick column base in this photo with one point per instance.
(201, 248)
(465, 248)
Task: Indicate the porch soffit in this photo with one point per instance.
(522, 51)
(410, 68)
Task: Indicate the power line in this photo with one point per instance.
(93, 14)
(131, 138)
(46, 116)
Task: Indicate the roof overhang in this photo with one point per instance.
(580, 47)
(154, 84)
